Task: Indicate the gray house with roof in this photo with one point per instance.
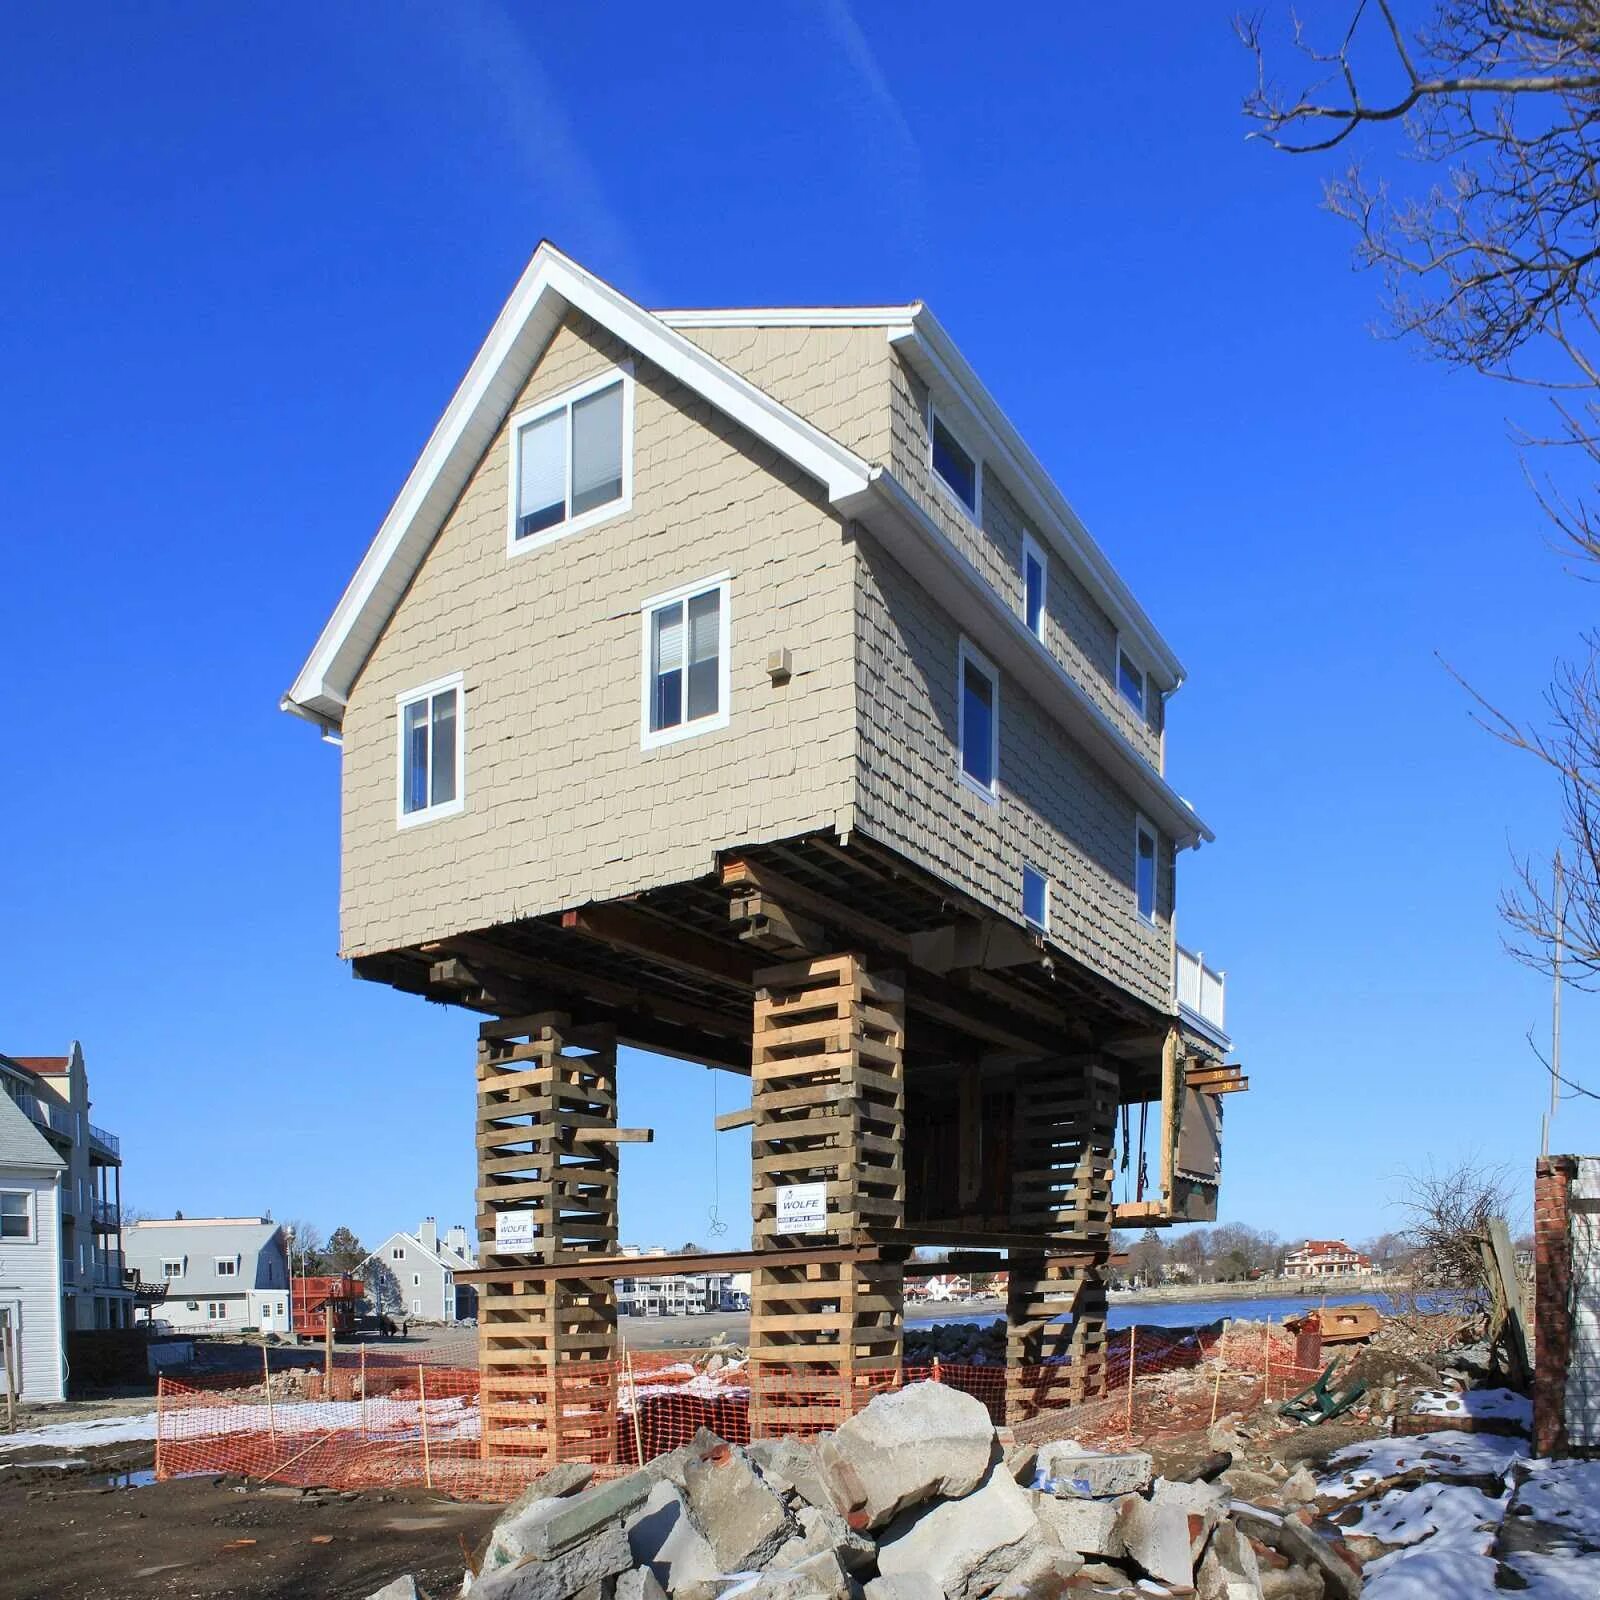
(222, 1273)
(30, 1255)
(423, 1266)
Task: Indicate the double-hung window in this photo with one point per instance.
(955, 465)
(572, 461)
(1035, 575)
(431, 750)
(1130, 680)
(685, 663)
(978, 720)
(227, 1266)
(172, 1268)
(1144, 869)
(16, 1214)
(1035, 897)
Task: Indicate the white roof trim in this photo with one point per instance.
(793, 317)
(909, 533)
(934, 354)
(550, 285)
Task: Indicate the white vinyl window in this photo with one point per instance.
(172, 1268)
(416, 1278)
(1035, 577)
(1144, 869)
(398, 1253)
(684, 662)
(216, 1310)
(227, 1266)
(432, 751)
(1035, 897)
(16, 1215)
(572, 461)
(978, 720)
(1130, 680)
(953, 464)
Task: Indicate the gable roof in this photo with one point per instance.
(443, 1256)
(201, 1240)
(21, 1144)
(550, 286)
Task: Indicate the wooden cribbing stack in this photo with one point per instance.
(828, 1103)
(547, 1147)
(1062, 1178)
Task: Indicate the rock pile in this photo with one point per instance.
(912, 1499)
(972, 1344)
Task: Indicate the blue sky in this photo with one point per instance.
(250, 254)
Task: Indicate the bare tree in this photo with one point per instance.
(1449, 1212)
(1493, 266)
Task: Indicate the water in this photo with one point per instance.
(1196, 1313)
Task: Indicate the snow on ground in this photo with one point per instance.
(83, 1435)
(1408, 1516)
(1565, 1494)
(1447, 1455)
(1502, 1404)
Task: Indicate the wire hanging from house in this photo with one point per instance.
(715, 1226)
(1144, 1122)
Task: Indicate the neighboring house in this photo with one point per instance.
(424, 1267)
(678, 1294)
(53, 1093)
(30, 1255)
(1325, 1258)
(223, 1274)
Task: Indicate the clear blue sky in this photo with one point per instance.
(250, 252)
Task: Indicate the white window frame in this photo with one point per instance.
(398, 1253)
(1143, 828)
(175, 1262)
(967, 652)
(1142, 710)
(30, 1210)
(653, 738)
(974, 512)
(227, 1266)
(426, 691)
(1044, 878)
(537, 413)
(1032, 550)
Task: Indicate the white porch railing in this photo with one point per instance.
(1200, 989)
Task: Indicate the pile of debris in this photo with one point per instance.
(914, 1498)
(965, 1344)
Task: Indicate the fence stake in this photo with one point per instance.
(161, 1384)
(422, 1405)
(11, 1380)
(327, 1350)
(1222, 1357)
(633, 1391)
(1266, 1365)
(363, 1392)
(266, 1380)
(1133, 1340)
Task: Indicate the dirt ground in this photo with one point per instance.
(78, 1532)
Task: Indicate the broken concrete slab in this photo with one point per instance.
(965, 1546)
(1042, 1572)
(1340, 1576)
(735, 1511)
(822, 1531)
(547, 1527)
(503, 1546)
(923, 1441)
(1205, 1505)
(603, 1555)
(1157, 1536)
(1087, 1526)
(791, 1468)
(1093, 1474)
(639, 1584)
(403, 1588)
(902, 1586)
(1228, 1570)
(670, 1466)
(662, 1538)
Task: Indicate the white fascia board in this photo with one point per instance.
(910, 535)
(550, 286)
(793, 317)
(933, 353)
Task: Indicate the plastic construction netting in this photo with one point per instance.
(382, 1420)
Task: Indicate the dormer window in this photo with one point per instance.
(227, 1266)
(572, 461)
(172, 1267)
(954, 465)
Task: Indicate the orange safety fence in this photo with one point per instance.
(385, 1418)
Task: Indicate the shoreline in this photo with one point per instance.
(1261, 1289)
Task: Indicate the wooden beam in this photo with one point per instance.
(572, 1135)
(626, 929)
(607, 1267)
(735, 1119)
(752, 877)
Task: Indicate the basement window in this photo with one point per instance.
(685, 663)
(1144, 869)
(572, 461)
(1034, 578)
(16, 1214)
(978, 718)
(953, 463)
(431, 773)
(1035, 898)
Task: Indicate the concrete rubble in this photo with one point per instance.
(912, 1499)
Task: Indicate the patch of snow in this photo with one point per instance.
(1456, 1565)
(1408, 1516)
(1564, 1494)
(1501, 1404)
(83, 1435)
(1445, 1455)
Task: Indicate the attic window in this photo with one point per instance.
(572, 461)
(432, 764)
(954, 465)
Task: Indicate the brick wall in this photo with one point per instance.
(1552, 1246)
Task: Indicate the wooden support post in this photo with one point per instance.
(266, 1384)
(828, 1097)
(547, 1144)
(1065, 1125)
(422, 1408)
(1133, 1370)
(327, 1349)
